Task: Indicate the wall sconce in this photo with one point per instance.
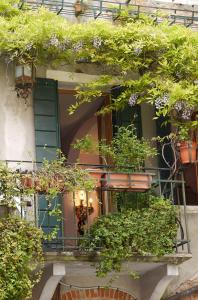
(83, 210)
(23, 81)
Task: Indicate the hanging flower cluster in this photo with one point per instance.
(133, 100)
(137, 51)
(54, 41)
(160, 102)
(97, 42)
(184, 110)
(78, 46)
(165, 62)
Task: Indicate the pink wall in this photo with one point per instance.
(72, 128)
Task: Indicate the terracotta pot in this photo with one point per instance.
(24, 80)
(27, 181)
(137, 182)
(38, 186)
(188, 152)
(79, 8)
(58, 181)
(96, 174)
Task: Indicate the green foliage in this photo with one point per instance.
(53, 178)
(165, 57)
(56, 177)
(128, 150)
(134, 232)
(9, 8)
(10, 186)
(125, 149)
(85, 144)
(20, 255)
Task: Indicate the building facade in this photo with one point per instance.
(33, 129)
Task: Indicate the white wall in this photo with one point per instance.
(16, 120)
(149, 130)
(188, 271)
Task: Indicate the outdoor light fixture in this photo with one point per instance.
(23, 81)
(83, 210)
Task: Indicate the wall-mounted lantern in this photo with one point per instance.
(83, 210)
(23, 81)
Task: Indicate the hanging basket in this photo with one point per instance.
(188, 151)
(137, 182)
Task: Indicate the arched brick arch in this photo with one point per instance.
(96, 294)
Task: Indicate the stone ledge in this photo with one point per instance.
(175, 259)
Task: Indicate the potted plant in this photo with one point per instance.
(87, 145)
(187, 144)
(127, 154)
(79, 7)
(27, 180)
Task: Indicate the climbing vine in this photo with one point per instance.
(134, 232)
(164, 58)
(20, 258)
(21, 241)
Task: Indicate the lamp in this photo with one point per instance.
(83, 210)
(23, 81)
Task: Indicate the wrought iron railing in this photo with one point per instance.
(112, 10)
(164, 183)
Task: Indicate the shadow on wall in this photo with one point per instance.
(83, 122)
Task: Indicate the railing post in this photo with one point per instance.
(185, 212)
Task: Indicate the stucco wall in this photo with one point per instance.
(188, 271)
(16, 120)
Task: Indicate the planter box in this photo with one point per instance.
(30, 182)
(137, 182)
(188, 152)
(96, 175)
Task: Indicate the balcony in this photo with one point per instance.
(79, 212)
(105, 9)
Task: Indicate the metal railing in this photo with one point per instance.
(164, 183)
(109, 9)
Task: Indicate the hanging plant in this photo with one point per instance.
(133, 232)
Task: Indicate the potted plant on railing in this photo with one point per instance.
(127, 154)
(187, 144)
(56, 177)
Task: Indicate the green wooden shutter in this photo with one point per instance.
(129, 115)
(47, 140)
(47, 134)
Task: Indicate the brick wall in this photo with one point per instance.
(96, 294)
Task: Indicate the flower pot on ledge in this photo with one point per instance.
(188, 151)
(137, 182)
